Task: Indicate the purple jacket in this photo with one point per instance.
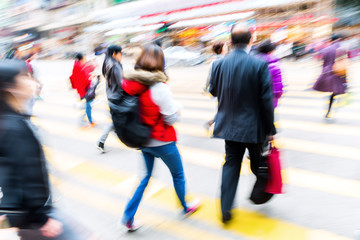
(275, 75)
(328, 81)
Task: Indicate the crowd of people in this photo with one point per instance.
(246, 82)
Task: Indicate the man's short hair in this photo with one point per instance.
(239, 37)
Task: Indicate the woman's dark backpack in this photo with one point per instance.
(127, 123)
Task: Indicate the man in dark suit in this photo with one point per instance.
(245, 117)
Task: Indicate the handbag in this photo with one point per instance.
(339, 68)
(259, 194)
(275, 183)
(91, 92)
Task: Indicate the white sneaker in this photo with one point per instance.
(193, 207)
(132, 226)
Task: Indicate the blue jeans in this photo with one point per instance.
(88, 110)
(171, 157)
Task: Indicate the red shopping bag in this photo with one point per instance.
(274, 184)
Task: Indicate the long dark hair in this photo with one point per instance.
(151, 59)
(9, 69)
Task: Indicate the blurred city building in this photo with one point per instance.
(60, 27)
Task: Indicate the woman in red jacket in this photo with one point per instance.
(81, 81)
(158, 110)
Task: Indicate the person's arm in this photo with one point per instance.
(213, 79)
(267, 109)
(207, 83)
(74, 75)
(24, 152)
(116, 75)
(162, 96)
(276, 80)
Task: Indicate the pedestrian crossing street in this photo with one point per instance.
(320, 167)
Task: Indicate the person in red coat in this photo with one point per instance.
(81, 81)
(159, 110)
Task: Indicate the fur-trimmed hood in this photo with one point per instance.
(146, 77)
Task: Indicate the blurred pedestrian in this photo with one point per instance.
(81, 81)
(265, 50)
(219, 48)
(245, 117)
(328, 80)
(32, 69)
(24, 184)
(158, 110)
(112, 71)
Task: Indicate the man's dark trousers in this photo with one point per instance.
(231, 170)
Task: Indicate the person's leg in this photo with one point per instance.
(133, 204)
(88, 110)
(259, 167)
(331, 101)
(108, 128)
(255, 152)
(171, 157)
(230, 176)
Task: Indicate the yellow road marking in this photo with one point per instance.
(87, 135)
(249, 223)
(214, 160)
(113, 206)
(245, 223)
(86, 169)
(62, 160)
(296, 177)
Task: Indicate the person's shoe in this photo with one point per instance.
(101, 147)
(132, 226)
(226, 217)
(91, 125)
(327, 116)
(192, 207)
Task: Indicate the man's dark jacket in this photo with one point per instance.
(241, 83)
(25, 194)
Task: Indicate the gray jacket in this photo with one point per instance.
(112, 71)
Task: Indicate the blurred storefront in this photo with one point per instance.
(290, 19)
(79, 25)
